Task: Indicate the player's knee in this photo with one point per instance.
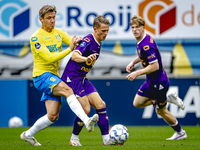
(53, 117)
(136, 104)
(66, 91)
(160, 112)
(101, 105)
(69, 90)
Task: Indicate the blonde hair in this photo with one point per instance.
(45, 9)
(100, 20)
(139, 21)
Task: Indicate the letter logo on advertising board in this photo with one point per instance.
(14, 17)
(159, 15)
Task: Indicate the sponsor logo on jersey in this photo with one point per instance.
(37, 45)
(33, 39)
(53, 79)
(82, 44)
(58, 37)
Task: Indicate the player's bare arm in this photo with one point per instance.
(149, 69)
(77, 57)
(131, 65)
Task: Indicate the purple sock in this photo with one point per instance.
(103, 121)
(177, 127)
(78, 125)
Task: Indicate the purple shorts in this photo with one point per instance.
(81, 86)
(158, 97)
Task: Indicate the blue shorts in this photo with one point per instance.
(158, 97)
(81, 87)
(45, 83)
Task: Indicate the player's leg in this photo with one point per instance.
(100, 106)
(52, 102)
(62, 89)
(142, 99)
(172, 121)
(103, 123)
(53, 108)
(78, 123)
(167, 116)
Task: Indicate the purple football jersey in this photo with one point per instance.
(87, 47)
(148, 53)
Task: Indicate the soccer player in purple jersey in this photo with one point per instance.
(154, 90)
(82, 60)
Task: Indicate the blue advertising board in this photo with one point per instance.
(20, 98)
(119, 94)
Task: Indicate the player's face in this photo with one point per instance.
(101, 32)
(48, 22)
(138, 31)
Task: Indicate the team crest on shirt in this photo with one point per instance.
(37, 45)
(58, 37)
(82, 44)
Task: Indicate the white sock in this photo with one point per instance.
(74, 136)
(105, 138)
(77, 108)
(40, 124)
(174, 124)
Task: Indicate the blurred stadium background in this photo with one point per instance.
(174, 24)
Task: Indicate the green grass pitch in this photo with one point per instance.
(140, 138)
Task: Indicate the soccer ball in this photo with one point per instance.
(15, 122)
(118, 134)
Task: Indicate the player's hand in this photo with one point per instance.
(92, 57)
(78, 40)
(72, 44)
(132, 76)
(130, 67)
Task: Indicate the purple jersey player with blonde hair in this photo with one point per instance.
(154, 90)
(81, 62)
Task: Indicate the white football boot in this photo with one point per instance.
(110, 142)
(178, 135)
(32, 140)
(75, 142)
(91, 122)
(173, 98)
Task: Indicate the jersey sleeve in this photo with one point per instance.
(65, 37)
(150, 53)
(38, 46)
(83, 46)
